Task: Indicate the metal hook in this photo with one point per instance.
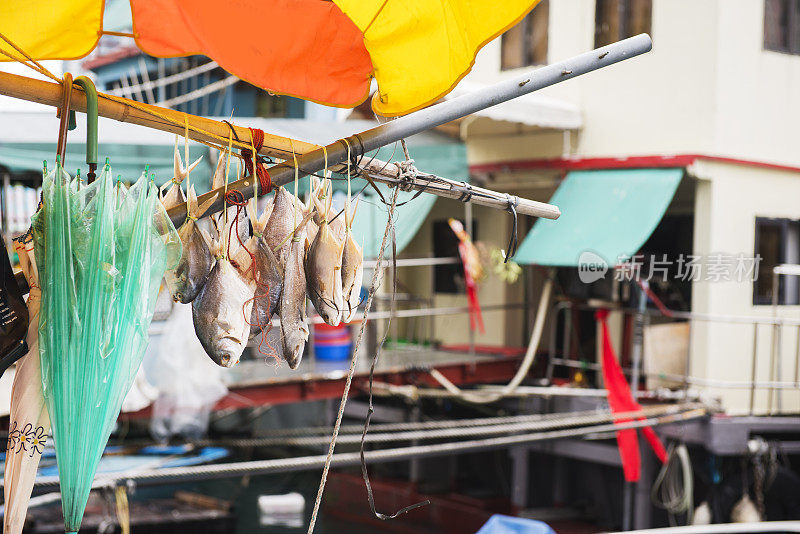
(91, 125)
(64, 114)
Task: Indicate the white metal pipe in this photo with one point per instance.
(430, 117)
(722, 528)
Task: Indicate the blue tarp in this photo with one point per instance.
(505, 524)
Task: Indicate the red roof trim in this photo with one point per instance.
(112, 57)
(632, 162)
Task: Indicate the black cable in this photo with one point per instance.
(512, 242)
(371, 408)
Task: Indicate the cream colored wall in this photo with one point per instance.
(502, 327)
(707, 87)
(659, 103)
(757, 109)
(727, 205)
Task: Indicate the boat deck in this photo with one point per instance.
(257, 382)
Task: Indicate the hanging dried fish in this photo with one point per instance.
(187, 279)
(292, 308)
(174, 195)
(281, 224)
(267, 272)
(352, 267)
(324, 270)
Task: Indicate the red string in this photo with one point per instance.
(236, 198)
(264, 180)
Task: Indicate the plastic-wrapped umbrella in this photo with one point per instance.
(101, 261)
(29, 423)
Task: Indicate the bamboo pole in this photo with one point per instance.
(50, 93)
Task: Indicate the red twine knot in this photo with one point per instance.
(264, 180)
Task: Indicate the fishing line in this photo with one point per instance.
(186, 154)
(294, 200)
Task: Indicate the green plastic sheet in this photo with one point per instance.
(102, 251)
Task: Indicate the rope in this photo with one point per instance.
(460, 429)
(371, 295)
(522, 372)
(672, 489)
(38, 67)
(284, 465)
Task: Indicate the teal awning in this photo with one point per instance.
(610, 213)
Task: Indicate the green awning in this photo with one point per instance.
(610, 213)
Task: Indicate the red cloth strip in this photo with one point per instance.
(621, 399)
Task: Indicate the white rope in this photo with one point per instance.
(522, 372)
(672, 489)
(376, 275)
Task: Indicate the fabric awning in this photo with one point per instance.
(610, 213)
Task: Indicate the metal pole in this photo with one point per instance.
(468, 225)
(753, 369)
(775, 338)
(438, 114)
(638, 340)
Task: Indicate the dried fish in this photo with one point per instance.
(267, 273)
(189, 277)
(281, 223)
(324, 270)
(174, 195)
(292, 308)
(223, 305)
(352, 268)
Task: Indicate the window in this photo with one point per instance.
(526, 43)
(448, 278)
(777, 242)
(619, 19)
(782, 26)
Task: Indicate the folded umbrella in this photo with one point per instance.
(29, 422)
(105, 251)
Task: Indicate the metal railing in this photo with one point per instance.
(774, 385)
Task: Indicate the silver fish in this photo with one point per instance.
(324, 193)
(220, 310)
(285, 212)
(267, 273)
(174, 195)
(292, 308)
(352, 268)
(226, 223)
(324, 270)
(189, 277)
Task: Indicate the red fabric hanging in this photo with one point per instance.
(621, 399)
(475, 317)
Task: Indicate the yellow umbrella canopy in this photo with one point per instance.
(327, 52)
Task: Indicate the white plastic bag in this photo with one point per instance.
(188, 382)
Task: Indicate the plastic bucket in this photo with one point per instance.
(332, 343)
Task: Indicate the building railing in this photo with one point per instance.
(777, 326)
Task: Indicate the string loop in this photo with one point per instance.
(250, 157)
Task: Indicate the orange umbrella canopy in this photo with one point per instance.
(327, 52)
